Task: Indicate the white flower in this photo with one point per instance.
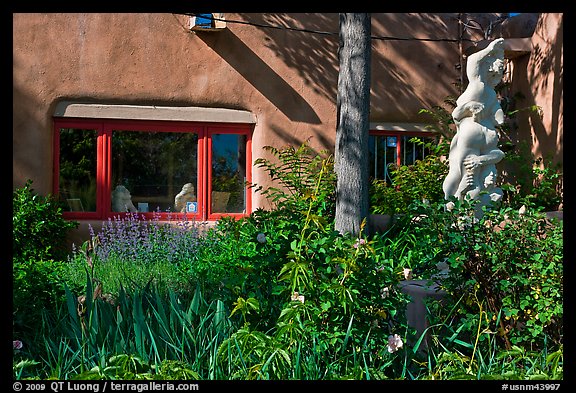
(297, 297)
(408, 274)
(17, 344)
(522, 210)
(394, 343)
(385, 292)
(261, 238)
(418, 218)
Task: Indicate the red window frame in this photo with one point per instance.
(224, 129)
(104, 129)
(398, 134)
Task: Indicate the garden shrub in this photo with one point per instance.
(537, 181)
(330, 297)
(421, 180)
(242, 258)
(505, 269)
(38, 256)
(338, 304)
(38, 229)
(298, 171)
(37, 288)
(306, 186)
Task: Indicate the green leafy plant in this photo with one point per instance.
(509, 261)
(421, 180)
(38, 257)
(228, 271)
(451, 354)
(336, 301)
(296, 171)
(37, 288)
(38, 229)
(535, 181)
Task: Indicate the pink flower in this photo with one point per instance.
(359, 242)
(394, 343)
(17, 344)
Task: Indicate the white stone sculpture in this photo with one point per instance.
(122, 200)
(474, 150)
(187, 194)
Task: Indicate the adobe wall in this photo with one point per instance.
(287, 79)
(540, 77)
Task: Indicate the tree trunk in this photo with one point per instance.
(353, 105)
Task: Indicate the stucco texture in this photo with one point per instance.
(286, 78)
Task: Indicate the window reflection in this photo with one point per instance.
(228, 173)
(77, 169)
(141, 166)
(158, 169)
(384, 155)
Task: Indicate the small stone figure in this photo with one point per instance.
(474, 149)
(187, 194)
(122, 200)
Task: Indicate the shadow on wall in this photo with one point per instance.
(546, 61)
(317, 138)
(260, 75)
(533, 76)
(399, 83)
(313, 55)
(411, 74)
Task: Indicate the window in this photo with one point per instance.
(109, 167)
(394, 148)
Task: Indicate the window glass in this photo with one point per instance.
(411, 151)
(382, 154)
(105, 167)
(77, 169)
(386, 151)
(155, 171)
(228, 173)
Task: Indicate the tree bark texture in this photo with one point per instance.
(353, 105)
